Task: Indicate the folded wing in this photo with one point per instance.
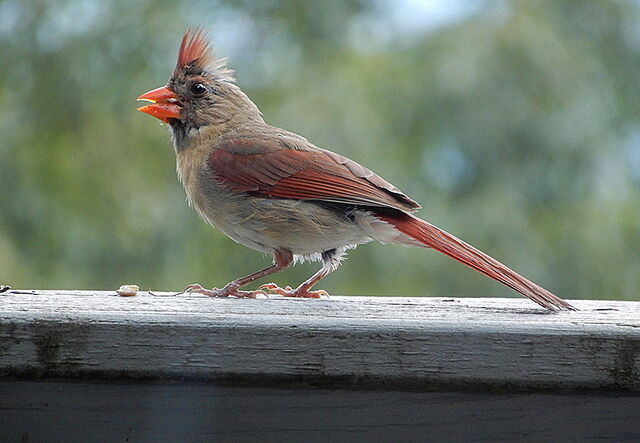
(275, 172)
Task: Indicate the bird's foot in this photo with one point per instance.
(227, 291)
(288, 291)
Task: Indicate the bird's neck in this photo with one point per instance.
(186, 137)
(194, 145)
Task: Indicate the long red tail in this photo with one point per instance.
(434, 237)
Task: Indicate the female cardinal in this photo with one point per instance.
(274, 191)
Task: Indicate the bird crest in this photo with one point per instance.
(195, 56)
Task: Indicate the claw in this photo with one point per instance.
(191, 288)
(198, 289)
(288, 291)
(272, 287)
(224, 292)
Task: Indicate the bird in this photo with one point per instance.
(274, 191)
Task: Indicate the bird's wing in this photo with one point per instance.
(256, 168)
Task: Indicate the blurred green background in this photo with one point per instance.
(516, 124)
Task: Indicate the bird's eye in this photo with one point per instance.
(198, 89)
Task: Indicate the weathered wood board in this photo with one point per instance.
(116, 411)
(417, 343)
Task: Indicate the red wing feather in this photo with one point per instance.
(303, 175)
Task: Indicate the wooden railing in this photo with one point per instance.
(81, 348)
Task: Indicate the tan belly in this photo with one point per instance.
(264, 224)
(304, 228)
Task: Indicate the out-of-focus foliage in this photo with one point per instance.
(515, 123)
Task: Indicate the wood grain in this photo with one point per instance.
(418, 343)
(88, 411)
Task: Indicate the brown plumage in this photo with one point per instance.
(274, 191)
(302, 175)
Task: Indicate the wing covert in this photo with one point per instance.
(278, 172)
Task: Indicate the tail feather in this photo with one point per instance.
(434, 237)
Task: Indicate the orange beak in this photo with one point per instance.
(164, 104)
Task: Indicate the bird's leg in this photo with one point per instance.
(331, 259)
(281, 260)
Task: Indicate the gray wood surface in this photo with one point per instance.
(82, 411)
(375, 341)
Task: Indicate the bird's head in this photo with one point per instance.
(201, 91)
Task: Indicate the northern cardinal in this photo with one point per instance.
(275, 192)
